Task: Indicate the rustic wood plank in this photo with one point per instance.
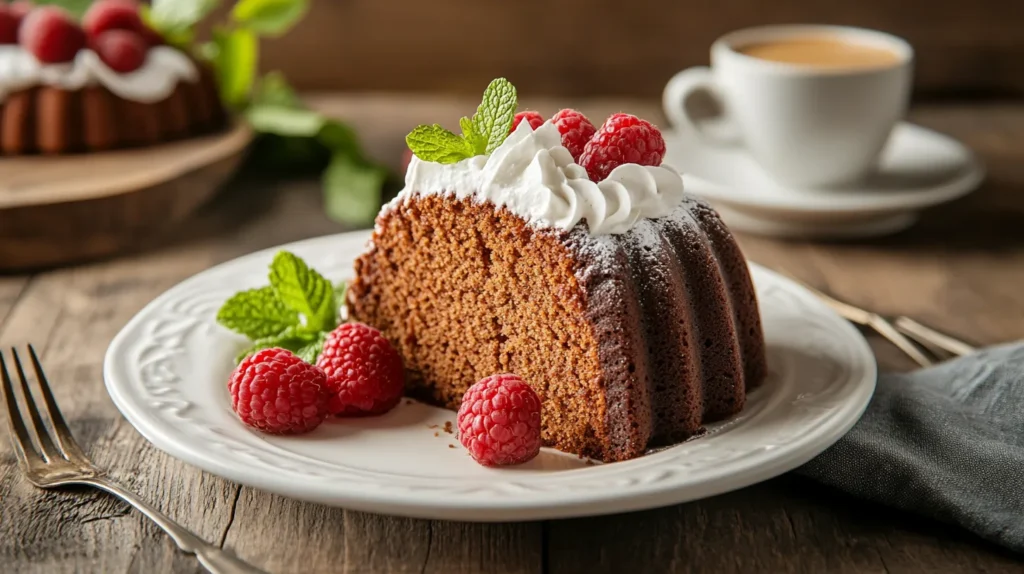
(958, 270)
(785, 525)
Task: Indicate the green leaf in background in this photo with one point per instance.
(270, 17)
(352, 190)
(257, 314)
(493, 119)
(180, 37)
(273, 90)
(304, 290)
(180, 14)
(282, 121)
(76, 7)
(235, 62)
(339, 138)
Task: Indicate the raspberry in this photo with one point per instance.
(122, 50)
(21, 8)
(622, 139)
(276, 392)
(364, 372)
(533, 118)
(499, 421)
(9, 22)
(112, 15)
(50, 35)
(576, 130)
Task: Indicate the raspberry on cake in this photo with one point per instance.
(533, 118)
(576, 131)
(624, 303)
(51, 35)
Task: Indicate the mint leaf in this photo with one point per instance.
(352, 190)
(270, 17)
(476, 141)
(180, 14)
(304, 290)
(295, 339)
(434, 143)
(75, 7)
(235, 62)
(338, 137)
(257, 314)
(493, 119)
(311, 351)
(282, 121)
(273, 90)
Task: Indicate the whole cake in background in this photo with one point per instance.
(107, 82)
(568, 255)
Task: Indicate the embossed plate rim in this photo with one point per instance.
(677, 474)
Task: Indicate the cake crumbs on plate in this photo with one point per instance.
(448, 427)
(450, 445)
(437, 433)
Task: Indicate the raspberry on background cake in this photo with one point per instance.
(107, 82)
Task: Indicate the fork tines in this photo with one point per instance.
(32, 443)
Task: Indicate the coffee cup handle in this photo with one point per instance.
(679, 90)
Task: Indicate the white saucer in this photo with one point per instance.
(167, 371)
(919, 168)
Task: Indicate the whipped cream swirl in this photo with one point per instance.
(156, 80)
(534, 176)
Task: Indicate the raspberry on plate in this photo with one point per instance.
(364, 372)
(533, 118)
(50, 35)
(623, 138)
(499, 421)
(112, 15)
(122, 50)
(276, 392)
(576, 130)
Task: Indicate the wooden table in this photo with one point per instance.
(960, 270)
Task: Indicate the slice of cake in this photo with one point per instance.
(110, 82)
(623, 302)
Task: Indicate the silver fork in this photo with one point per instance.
(53, 461)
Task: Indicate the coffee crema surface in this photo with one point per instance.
(822, 52)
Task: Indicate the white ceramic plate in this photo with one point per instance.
(167, 372)
(919, 168)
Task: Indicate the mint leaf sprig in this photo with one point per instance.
(481, 134)
(294, 312)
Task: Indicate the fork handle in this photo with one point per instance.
(214, 558)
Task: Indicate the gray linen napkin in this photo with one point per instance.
(946, 442)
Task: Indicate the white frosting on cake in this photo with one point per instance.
(154, 81)
(534, 176)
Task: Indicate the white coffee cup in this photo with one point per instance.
(807, 126)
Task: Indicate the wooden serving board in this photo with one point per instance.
(62, 209)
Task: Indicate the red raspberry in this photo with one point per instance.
(122, 50)
(364, 372)
(499, 421)
(50, 35)
(112, 15)
(276, 392)
(9, 22)
(533, 118)
(576, 130)
(622, 139)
